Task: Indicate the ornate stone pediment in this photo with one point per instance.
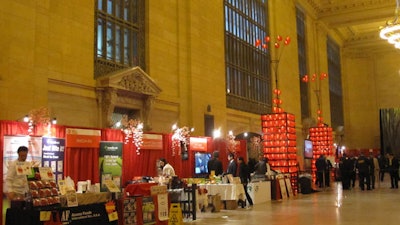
(128, 88)
(132, 80)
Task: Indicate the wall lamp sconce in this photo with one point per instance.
(26, 118)
(54, 121)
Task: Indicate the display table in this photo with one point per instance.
(80, 215)
(139, 189)
(260, 192)
(226, 191)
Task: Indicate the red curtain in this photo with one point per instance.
(82, 164)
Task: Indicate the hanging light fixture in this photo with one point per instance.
(391, 31)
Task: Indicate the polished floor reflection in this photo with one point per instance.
(333, 205)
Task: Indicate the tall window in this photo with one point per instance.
(335, 84)
(119, 35)
(301, 41)
(248, 85)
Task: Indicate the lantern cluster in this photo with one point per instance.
(277, 43)
(277, 101)
(322, 141)
(314, 77)
(279, 143)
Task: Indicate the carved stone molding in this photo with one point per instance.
(129, 88)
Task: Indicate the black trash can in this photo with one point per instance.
(305, 185)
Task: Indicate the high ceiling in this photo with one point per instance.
(356, 22)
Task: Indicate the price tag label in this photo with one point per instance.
(45, 215)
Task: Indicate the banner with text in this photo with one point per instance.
(198, 144)
(152, 142)
(53, 155)
(82, 138)
(110, 163)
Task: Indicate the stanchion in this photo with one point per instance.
(175, 214)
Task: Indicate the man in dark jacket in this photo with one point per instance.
(215, 164)
(364, 166)
(393, 168)
(321, 165)
(232, 167)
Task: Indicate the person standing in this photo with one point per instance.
(215, 164)
(363, 165)
(232, 167)
(261, 167)
(345, 166)
(320, 164)
(244, 175)
(374, 170)
(17, 184)
(383, 163)
(393, 169)
(328, 167)
(167, 169)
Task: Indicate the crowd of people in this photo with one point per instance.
(370, 169)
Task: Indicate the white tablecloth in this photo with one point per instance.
(260, 192)
(226, 191)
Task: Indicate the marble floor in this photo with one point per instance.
(333, 205)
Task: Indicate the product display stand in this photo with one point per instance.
(279, 144)
(187, 200)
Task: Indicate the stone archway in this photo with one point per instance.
(128, 88)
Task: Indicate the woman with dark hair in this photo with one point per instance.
(167, 169)
(244, 179)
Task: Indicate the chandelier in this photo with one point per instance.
(391, 31)
(133, 128)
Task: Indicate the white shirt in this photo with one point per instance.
(168, 170)
(14, 182)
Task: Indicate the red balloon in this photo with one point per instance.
(267, 39)
(258, 42)
(277, 45)
(286, 42)
(279, 38)
(265, 46)
(288, 38)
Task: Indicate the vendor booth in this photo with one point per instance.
(92, 157)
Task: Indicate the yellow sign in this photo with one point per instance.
(45, 215)
(175, 214)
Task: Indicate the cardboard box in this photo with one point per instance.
(231, 204)
(214, 202)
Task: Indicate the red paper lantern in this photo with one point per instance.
(258, 42)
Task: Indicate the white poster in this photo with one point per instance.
(162, 200)
(11, 145)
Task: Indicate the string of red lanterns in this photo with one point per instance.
(313, 78)
(277, 101)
